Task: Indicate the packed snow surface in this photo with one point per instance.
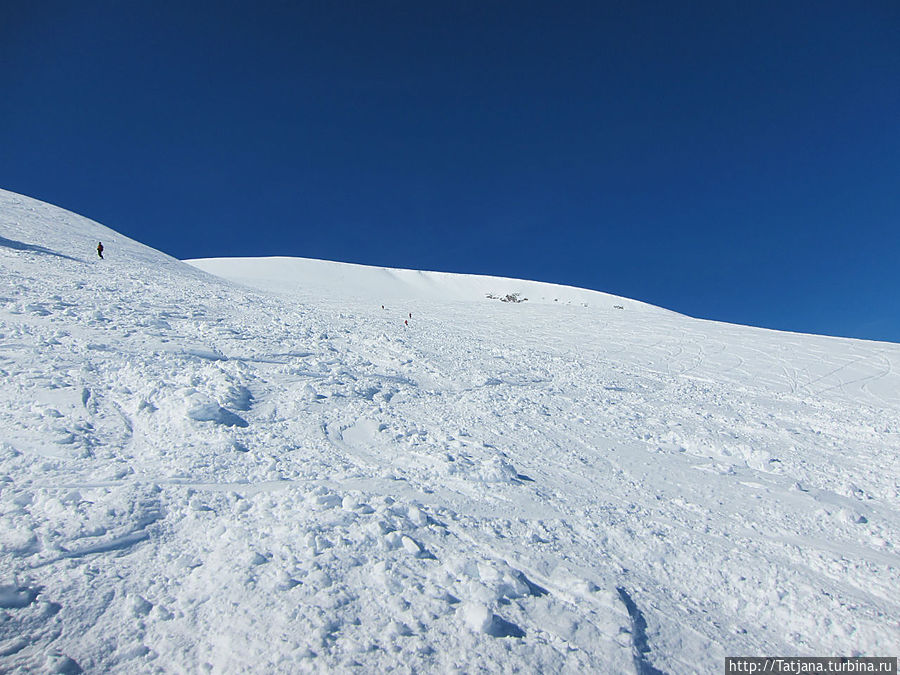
(265, 471)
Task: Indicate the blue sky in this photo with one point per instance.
(732, 161)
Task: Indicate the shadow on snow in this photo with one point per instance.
(21, 246)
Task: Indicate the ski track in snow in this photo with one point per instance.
(203, 476)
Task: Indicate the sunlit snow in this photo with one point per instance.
(289, 465)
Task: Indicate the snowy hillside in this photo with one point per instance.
(320, 279)
(268, 472)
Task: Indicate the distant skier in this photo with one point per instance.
(100, 249)
(405, 322)
(410, 315)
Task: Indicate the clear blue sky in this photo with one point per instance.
(733, 161)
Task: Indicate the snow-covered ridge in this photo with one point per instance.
(32, 226)
(326, 278)
(203, 476)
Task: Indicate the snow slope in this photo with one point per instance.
(268, 472)
(318, 279)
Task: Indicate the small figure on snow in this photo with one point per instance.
(100, 249)
(410, 315)
(405, 322)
